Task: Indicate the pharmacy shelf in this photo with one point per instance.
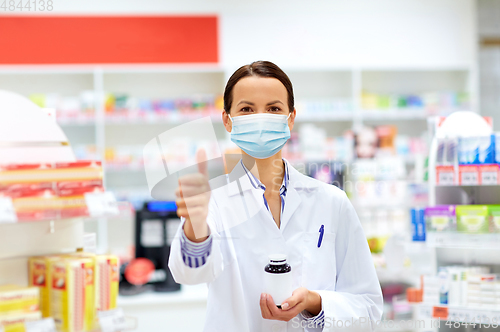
(130, 324)
(463, 241)
(464, 314)
(170, 118)
(116, 321)
(406, 274)
(393, 329)
(466, 186)
(189, 294)
(325, 116)
(139, 167)
(79, 121)
(175, 117)
(50, 235)
(108, 209)
(477, 194)
(143, 119)
(394, 114)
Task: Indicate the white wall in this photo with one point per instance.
(381, 33)
(321, 33)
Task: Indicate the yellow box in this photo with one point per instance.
(40, 277)
(17, 298)
(72, 294)
(107, 280)
(107, 271)
(14, 322)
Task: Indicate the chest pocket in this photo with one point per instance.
(319, 265)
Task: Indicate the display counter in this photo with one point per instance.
(182, 311)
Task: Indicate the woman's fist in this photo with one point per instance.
(193, 196)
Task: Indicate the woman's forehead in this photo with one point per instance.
(259, 88)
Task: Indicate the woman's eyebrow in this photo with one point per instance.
(245, 102)
(270, 103)
(274, 102)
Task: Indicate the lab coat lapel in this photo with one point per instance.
(298, 182)
(238, 181)
(292, 202)
(293, 199)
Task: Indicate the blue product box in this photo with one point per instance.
(418, 224)
(476, 150)
(486, 150)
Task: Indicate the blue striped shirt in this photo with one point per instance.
(195, 254)
(258, 185)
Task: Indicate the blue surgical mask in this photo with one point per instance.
(260, 135)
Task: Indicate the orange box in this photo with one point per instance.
(440, 312)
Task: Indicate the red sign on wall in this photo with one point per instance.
(108, 39)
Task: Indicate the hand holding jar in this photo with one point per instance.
(280, 302)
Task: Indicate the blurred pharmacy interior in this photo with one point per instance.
(398, 104)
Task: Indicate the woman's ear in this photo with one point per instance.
(228, 124)
(291, 119)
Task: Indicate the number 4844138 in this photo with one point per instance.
(27, 5)
(479, 322)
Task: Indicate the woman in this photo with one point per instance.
(267, 207)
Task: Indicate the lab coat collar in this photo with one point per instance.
(239, 181)
(239, 178)
(256, 182)
(300, 181)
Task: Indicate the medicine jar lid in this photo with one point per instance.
(277, 259)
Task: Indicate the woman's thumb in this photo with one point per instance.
(201, 160)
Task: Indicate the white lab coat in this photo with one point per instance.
(244, 234)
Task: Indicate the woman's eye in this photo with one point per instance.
(275, 109)
(246, 109)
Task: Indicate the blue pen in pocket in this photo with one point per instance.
(321, 231)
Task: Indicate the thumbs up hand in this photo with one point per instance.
(193, 196)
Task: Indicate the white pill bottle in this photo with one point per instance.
(278, 278)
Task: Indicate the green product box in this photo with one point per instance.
(494, 216)
(472, 219)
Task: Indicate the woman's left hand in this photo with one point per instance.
(301, 299)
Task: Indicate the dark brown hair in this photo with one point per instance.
(260, 69)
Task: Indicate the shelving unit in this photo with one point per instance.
(54, 233)
(453, 248)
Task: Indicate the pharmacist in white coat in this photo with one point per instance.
(231, 224)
